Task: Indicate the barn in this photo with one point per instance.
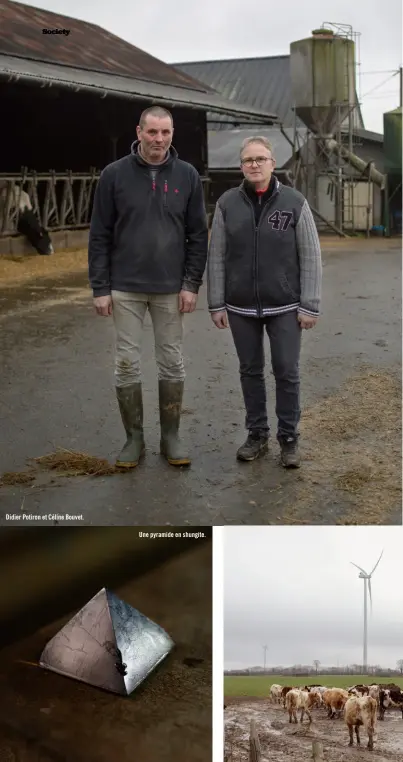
(73, 99)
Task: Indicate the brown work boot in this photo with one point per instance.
(130, 401)
(170, 401)
(255, 446)
(290, 457)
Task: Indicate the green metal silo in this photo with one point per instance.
(323, 79)
(392, 131)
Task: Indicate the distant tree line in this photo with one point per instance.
(300, 670)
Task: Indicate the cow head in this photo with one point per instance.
(38, 237)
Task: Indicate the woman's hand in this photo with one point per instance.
(220, 319)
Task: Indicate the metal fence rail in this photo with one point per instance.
(60, 200)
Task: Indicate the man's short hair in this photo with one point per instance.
(257, 139)
(158, 111)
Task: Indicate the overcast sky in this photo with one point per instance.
(217, 29)
(294, 590)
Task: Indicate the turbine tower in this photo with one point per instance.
(264, 657)
(367, 588)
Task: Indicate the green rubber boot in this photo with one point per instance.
(170, 400)
(130, 400)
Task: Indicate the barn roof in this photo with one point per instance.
(257, 82)
(90, 58)
(263, 83)
(13, 69)
(88, 46)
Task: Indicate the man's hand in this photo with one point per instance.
(103, 305)
(306, 321)
(187, 301)
(220, 319)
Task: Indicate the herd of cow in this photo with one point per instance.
(360, 704)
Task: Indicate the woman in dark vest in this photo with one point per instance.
(264, 272)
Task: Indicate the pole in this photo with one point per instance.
(264, 658)
(401, 87)
(365, 625)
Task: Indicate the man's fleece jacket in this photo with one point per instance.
(148, 227)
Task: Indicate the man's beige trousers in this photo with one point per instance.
(129, 311)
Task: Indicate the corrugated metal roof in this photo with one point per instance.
(88, 46)
(224, 145)
(263, 83)
(22, 69)
(376, 137)
(259, 82)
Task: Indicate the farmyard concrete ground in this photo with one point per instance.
(284, 742)
(57, 391)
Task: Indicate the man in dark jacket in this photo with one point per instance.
(264, 272)
(148, 250)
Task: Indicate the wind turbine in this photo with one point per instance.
(367, 587)
(264, 652)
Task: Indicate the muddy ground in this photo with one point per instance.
(45, 717)
(58, 391)
(282, 742)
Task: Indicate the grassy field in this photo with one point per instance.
(260, 686)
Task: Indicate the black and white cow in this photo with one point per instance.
(27, 224)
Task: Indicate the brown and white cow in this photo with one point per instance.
(297, 699)
(334, 700)
(360, 710)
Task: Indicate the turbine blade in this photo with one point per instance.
(377, 563)
(358, 567)
(370, 592)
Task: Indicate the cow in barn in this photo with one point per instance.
(297, 699)
(360, 710)
(276, 693)
(334, 700)
(27, 223)
(389, 698)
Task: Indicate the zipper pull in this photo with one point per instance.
(166, 186)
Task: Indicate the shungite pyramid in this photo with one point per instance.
(108, 644)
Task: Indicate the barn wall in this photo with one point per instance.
(57, 129)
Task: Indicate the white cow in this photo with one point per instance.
(275, 693)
